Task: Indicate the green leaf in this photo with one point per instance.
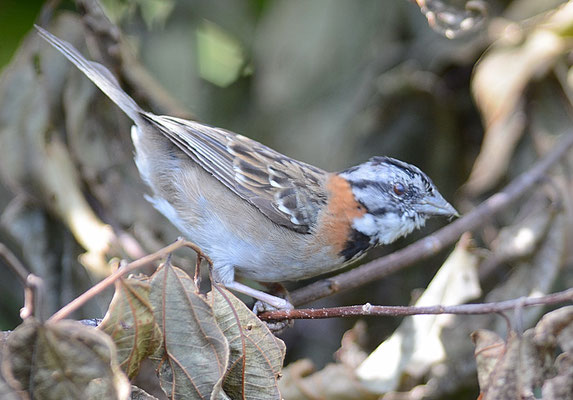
(219, 55)
(194, 355)
(63, 360)
(131, 324)
(256, 356)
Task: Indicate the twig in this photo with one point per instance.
(33, 285)
(434, 243)
(396, 311)
(14, 263)
(108, 281)
(33, 295)
(197, 275)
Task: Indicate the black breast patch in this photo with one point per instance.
(356, 246)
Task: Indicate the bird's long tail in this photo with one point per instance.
(98, 74)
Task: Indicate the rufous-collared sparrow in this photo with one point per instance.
(258, 213)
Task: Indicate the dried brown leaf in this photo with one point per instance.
(560, 386)
(498, 85)
(63, 360)
(351, 352)
(498, 361)
(256, 355)
(556, 328)
(131, 324)
(195, 353)
(489, 349)
(140, 394)
(525, 366)
(6, 392)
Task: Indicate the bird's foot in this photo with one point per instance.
(278, 292)
(275, 327)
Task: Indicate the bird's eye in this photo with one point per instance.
(399, 189)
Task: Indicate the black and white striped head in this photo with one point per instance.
(398, 198)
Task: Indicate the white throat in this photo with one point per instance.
(387, 228)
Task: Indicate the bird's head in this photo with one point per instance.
(397, 196)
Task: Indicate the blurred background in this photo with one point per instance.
(328, 82)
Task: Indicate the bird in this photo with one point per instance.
(259, 214)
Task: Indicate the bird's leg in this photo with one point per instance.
(278, 290)
(260, 307)
(224, 274)
(276, 302)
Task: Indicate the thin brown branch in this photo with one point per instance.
(108, 281)
(14, 263)
(33, 295)
(397, 311)
(436, 242)
(33, 285)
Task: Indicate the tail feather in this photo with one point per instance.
(97, 73)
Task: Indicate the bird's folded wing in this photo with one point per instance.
(289, 192)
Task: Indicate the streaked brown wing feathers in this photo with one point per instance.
(288, 192)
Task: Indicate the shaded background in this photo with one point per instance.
(327, 82)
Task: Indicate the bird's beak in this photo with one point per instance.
(437, 206)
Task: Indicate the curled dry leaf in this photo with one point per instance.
(499, 377)
(560, 386)
(130, 322)
(195, 354)
(351, 351)
(256, 355)
(6, 391)
(498, 85)
(63, 360)
(489, 348)
(140, 394)
(525, 366)
(556, 328)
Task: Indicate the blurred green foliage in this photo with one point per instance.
(16, 17)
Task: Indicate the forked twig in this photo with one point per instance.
(108, 281)
(33, 285)
(14, 263)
